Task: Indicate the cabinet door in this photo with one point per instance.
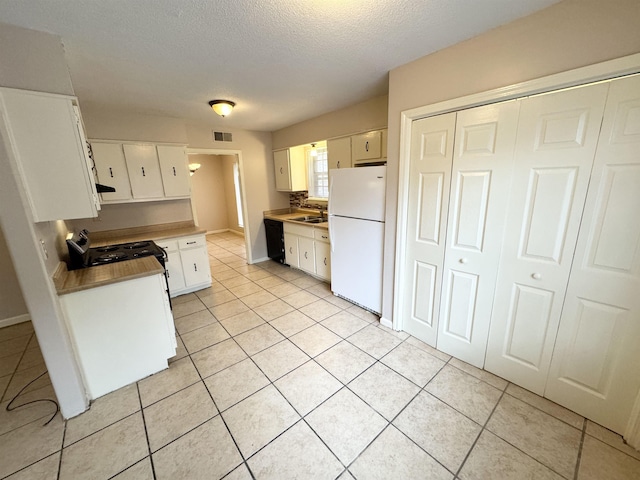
(175, 171)
(482, 165)
(195, 265)
(557, 137)
(306, 254)
(366, 146)
(283, 176)
(429, 178)
(50, 149)
(144, 171)
(175, 272)
(291, 250)
(595, 369)
(323, 259)
(112, 170)
(339, 153)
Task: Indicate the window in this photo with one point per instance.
(318, 173)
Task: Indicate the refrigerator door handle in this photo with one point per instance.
(332, 234)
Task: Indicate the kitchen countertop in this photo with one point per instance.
(70, 281)
(150, 232)
(287, 214)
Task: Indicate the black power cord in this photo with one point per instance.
(11, 408)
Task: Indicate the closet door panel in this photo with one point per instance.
(429, 179)
(555, 147)
(596, 361)
(482, 165)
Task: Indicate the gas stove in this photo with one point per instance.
(81, 255)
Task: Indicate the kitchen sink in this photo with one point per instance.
(309, 219)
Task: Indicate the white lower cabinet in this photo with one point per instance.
(188, 264)
(121, 332)
(307, 248)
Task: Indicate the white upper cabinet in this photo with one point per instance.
(48, 142)
(144, 171)
(111, 169)
(175, 170)
(290, 169)
(369, 147)
(339, 153)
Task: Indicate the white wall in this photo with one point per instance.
(11, 300)
(230, 193)
(35, 60)
(568, 35)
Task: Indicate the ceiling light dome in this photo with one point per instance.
(222, 107)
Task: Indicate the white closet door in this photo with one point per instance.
(596, 362)
(482, 166)
(430, 174)
(557, 137)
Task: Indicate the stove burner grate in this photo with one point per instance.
(108, 248)
(110, 257)
(135, 245)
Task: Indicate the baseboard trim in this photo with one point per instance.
(5, 322)
(258, 260)
(385, 322)
(240, 234)
(211, 232)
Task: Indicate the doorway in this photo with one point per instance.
(218, 197)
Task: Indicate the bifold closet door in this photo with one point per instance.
(555, 148)
(429, 178)
(481, 175)
(595, 369)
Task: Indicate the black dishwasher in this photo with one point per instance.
(275, 239)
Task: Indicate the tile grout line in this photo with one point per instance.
(584, 432)
(146, 432)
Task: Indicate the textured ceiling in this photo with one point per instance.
(281, 61)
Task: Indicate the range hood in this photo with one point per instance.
(104, 188)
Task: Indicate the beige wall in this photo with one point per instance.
(568, 35)
(368, 115)
(208, 192)
(258, 178)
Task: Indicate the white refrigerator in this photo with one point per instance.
(356, 229)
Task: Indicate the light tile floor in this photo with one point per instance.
(276, 378)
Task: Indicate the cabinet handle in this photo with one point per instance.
(143, 174)
(325, 261)
(111, 172)
(168, 274)
(195, 267)
(463, 260)
(324, 236)
(291, 250)
(191, 243)
(174, 171)
(280, 170)
(338, 164)
(305, 254)
(536, 276)
(366, 146)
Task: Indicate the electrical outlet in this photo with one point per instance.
(44, 249)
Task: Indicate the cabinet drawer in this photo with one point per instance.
(296, 229)
(191, 242)
(168, 245)
(321, 234)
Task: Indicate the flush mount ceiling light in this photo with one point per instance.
(193, 167)
(222, 107)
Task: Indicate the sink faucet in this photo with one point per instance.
(322, 209)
